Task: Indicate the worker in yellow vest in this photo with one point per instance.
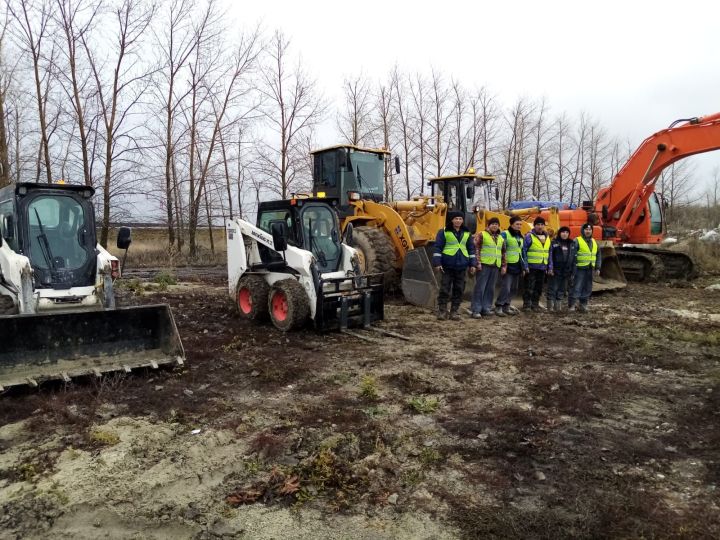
(513, 257)
(454, 254)
(536, 264)
(586, 262)
(490, 247)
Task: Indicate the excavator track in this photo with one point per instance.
(646, 264)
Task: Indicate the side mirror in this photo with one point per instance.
(124, 240)
(469, 193)
(279, 231)
(348, 235)
(397, 165)
(497, 194)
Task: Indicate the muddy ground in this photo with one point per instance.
(594, 425)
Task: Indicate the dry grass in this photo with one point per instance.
(150, 248)
(705, 255)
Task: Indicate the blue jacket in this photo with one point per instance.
(457, 261)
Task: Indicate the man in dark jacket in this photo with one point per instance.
(561, 257)
(454, 254)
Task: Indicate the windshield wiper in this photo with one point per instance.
(45, 246)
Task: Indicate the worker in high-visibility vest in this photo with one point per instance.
(454, 254)
(490, 247)
(513, 257)
(586, 263)
(537, 264)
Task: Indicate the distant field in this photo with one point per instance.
(150, 248)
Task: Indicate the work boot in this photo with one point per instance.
(454, 315)
(526, 307)
(499, 312)
(583, 308)
(476, 315)
(537, 308)
(551, 305)
(572, 307)
(509, 310)
(442, 315)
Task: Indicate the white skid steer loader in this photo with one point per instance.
(58, 318)
(294, 267)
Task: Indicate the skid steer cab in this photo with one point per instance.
(294, 267)
(58, 318)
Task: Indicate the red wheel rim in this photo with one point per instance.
(245, 300)
(279, 306)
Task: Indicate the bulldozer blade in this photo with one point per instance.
(419, 285)
(611, 273)
(37, 348)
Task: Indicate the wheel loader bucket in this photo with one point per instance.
(611, 274)
(36, 348)
(419, 284)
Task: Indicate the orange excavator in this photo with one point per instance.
(629, 213)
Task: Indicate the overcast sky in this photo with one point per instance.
(635, 66)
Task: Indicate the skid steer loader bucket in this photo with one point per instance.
(611, 274)
(36, 348)
(419, 284)
(350, 301)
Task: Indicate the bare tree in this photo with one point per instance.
(224, 89)
(292, 107)
(5, 77)
(418, 91)
(385, 121)
(404, 126)
(33, 20)
(75, 19)
(440, 117)
(119, 96)
(355, 119)
(676, 183)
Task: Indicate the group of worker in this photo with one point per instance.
(566, 264)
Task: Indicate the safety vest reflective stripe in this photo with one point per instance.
(452, 245)
(491, 252)
(586, 256)
(538, 253)
(513, 248)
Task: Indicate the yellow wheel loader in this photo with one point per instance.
(58, 317)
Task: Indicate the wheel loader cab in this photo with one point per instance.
(54, 226)
(312, 225)
(348, 173)
(464, 193)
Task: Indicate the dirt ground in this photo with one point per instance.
(596, 425)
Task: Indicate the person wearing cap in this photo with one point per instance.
(490, 246)
(536, 264)
(586, 262)
(562, 251)
(454, 253)
(513, 257)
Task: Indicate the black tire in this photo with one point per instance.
(7, 306)
(288, 305)
(377, 254)
(251, 298)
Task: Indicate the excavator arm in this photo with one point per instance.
(623, 202)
